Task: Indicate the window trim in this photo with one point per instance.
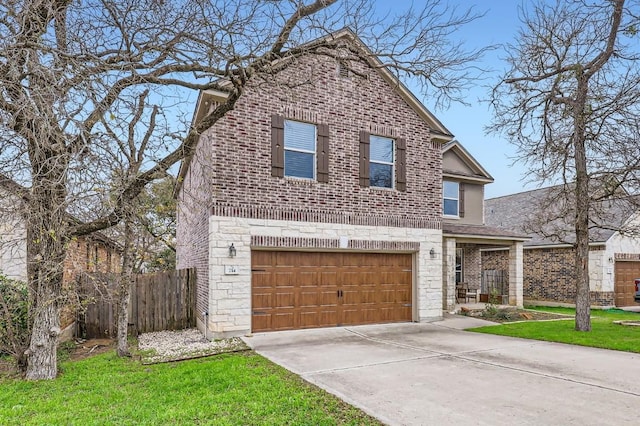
(313, 152)
(457, 199)
(392, 163)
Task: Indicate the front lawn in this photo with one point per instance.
(232, 389)
(604, 332)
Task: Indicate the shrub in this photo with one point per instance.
(14, 318)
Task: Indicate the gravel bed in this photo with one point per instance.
(164, 346)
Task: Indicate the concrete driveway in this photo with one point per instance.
(436, 374)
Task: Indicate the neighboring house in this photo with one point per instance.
(549, 275)
(92, 253)
(465, 233)
(321, 205)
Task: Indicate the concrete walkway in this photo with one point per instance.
(436, 374)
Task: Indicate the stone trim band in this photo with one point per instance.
(627, 256)
(331, 243)
(271, 213)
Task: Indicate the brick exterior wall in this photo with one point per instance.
(230, 174)
(240, 170)
(495, 260)
(86, 255)
(471, 268)
(548, 275)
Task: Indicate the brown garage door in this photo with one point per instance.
(292, 290)
(626, 273)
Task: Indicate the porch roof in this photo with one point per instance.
(481, 233)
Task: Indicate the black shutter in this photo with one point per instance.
(364, 157)
(401, 164)
(322, 152)
(277, 146)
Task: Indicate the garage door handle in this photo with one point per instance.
(340, 293)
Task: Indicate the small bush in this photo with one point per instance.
(14, 318)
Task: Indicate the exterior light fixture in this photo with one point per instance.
(232, 251)
(432, 253)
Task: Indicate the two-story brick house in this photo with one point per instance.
(318, 202)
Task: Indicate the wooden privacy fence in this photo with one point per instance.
(159, 301)
(494, 279)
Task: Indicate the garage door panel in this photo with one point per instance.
(262, 280)
(261, 321)
(309, 299)
(261, 259)
(303, 290)
(306, 278)
(283, 320)
(328, 278)
(283, 279)
(354, 297)
(262, 299)
(328, 298)
(624, 287)
(285, 299)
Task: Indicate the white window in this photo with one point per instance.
(451, 194)
(299, 149)
(459, 263)
(381, 162)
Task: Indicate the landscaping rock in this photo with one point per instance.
(165, 346)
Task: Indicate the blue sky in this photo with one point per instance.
(499, 25)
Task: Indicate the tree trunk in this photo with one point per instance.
(124, 292)
(47, 225)
(42, 362)
(582, 197)
(45, 263)
(123, 314)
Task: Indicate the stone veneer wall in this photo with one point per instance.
(230, 295)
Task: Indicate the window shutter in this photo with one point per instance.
(461, 199)
(401, 160)
(322, 153)
(364, 158)
(277, 146)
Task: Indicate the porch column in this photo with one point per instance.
(449, 274)
(516, 280)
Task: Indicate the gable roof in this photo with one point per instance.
(547, 218)
(438, 131)
(474, 170)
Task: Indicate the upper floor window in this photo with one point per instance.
(451, 194)
(299, 149)
(381, 162)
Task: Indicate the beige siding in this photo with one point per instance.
(473, 205)
(452, 163)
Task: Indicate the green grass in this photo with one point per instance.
(604, 333)
(232, 389)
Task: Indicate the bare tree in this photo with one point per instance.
(570, 102)
(67, 66)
